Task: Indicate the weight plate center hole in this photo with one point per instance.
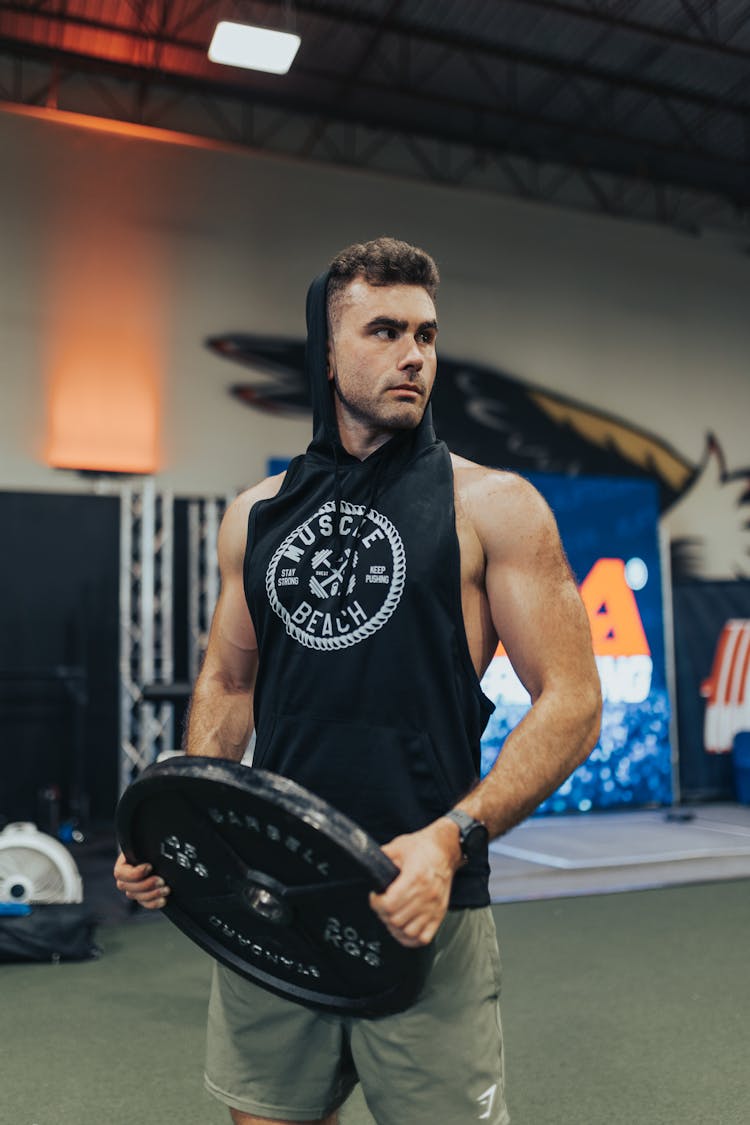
(265, 904)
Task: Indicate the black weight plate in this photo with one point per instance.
(273, 882)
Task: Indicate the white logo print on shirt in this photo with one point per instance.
(305, 577)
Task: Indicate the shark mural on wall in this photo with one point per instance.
(489, 416)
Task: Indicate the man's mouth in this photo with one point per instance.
(406, 389)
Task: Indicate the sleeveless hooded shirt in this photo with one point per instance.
(365, 693)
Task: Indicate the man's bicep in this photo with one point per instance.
(232, 652)
(535, 606)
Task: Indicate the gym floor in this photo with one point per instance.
(571, 855)
(617, 1007)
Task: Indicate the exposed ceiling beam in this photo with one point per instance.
(349, 78)
(596, 14)
(543, 138)
(394, 151)
(537, 60)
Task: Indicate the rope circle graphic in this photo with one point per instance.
(372, 624)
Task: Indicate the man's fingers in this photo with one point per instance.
(152, 900)
(393, 849)
(148, 904)
(137, 883)
(398, 909)
(131, 872)
(414, 935)
(404, 926)
(145, 894)
(125, 883)
(149, 892)
(414, 904)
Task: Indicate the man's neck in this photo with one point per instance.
(358, 438)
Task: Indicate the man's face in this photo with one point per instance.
(381, 354)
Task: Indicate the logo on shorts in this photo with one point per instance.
(334, 586)
(486, 1102)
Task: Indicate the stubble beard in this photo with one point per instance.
(363, 412)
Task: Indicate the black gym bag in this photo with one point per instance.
(54, 932)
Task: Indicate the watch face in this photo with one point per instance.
(473, 835)
(474, 840)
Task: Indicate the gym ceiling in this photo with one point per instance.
(631, 108)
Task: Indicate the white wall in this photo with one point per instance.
(136, 242)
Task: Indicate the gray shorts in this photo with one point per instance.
(439, 1061)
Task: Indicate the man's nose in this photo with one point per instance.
(411, 357)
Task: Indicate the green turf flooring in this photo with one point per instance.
(629, 1009)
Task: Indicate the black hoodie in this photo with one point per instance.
(365, 693)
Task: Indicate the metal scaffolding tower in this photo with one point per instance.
(146, 611)
(204, 517)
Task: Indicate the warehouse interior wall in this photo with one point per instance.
(125, 254)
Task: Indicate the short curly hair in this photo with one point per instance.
(382, 261)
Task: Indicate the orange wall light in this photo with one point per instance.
(103, 411)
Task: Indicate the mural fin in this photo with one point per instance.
(645, 451)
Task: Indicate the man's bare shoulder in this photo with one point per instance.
(264, 490)
(499, 503)
(233, 530)
(478, 483)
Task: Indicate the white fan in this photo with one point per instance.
(34, 867)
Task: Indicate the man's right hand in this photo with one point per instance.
(139, 884)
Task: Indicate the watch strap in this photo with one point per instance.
(462, 819)
(469, 830)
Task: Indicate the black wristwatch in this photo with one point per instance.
(472, 834)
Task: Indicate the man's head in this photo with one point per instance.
(382, 328)
(381, 262)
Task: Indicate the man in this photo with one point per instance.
(363, 595)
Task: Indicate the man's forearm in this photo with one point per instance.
(220, 721)
(538, 755)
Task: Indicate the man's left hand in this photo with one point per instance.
(416, 902)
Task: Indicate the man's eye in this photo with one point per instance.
(386, 333)
(426, 337)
